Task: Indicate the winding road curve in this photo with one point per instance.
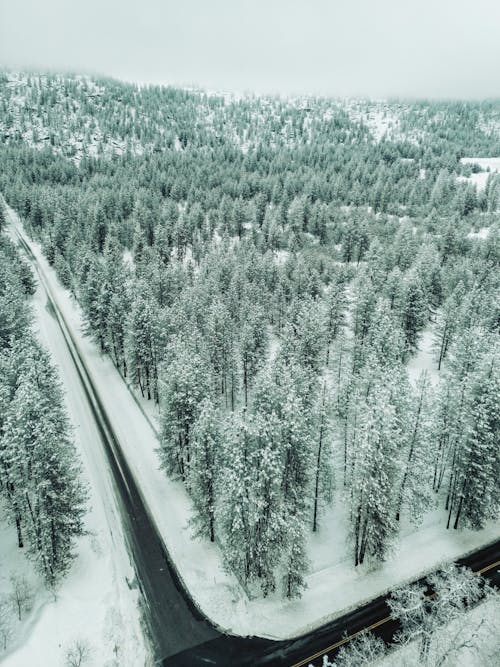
(181, 635)
(174, 622)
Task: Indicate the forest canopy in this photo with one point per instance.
(265, 270)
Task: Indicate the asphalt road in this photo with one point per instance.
(180, 634)
(173, 621)
(310, 649)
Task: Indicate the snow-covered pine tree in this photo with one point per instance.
(394, 288)
(46, 493)
(204, 467)
(234, 511)
(14, 313)
(447, 322)
(385, 339)
(323, 469)
(414, 313)
(336, 307)
(95, 302)
(144, 342)
(375, 469)
(296, 562)
(305, 334)
(267, 513)
(364, 309)
(253, 341)
(476, 493)
(454, 411)
(414, 406)
(220, 340)
(115, 303)
(186, 381)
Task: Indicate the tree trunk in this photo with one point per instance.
(460, 504)
(410, 454)
(356, 537)
(442, 349)
(20, 542)
(245, 379)
(318, 462)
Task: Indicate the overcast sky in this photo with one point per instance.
(417, 48)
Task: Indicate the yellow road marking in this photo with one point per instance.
(343, 641)
(370, 627)
(488, 567)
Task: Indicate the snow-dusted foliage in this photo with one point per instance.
(267, 272)
(435, 619)
(40, 483)
(448, 621)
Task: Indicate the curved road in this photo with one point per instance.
(181, 635)
(310, 649)
(174, 623)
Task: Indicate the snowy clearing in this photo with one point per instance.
(481, 234)
(489, 165)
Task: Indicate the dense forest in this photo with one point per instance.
(265, 269)
(41, 492)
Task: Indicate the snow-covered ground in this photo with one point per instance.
(334, 585)
(489, 165)
(481, 234)
(13, 563)
(383, 118)
(424, 359)
(98, 601)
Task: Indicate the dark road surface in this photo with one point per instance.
(309, 649)
(180, 634)
(174, 622)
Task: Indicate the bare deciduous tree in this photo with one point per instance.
(21, 596)
(78, 653)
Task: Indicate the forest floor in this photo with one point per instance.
(333, 585)
(97, 602)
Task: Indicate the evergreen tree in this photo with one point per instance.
(448, 322)
(46, 494)
(414, 313)
(185, 383)
(476, 494)
(375, 471)
(144, 343)
(205, 452)
(253, 346)
(234, 511)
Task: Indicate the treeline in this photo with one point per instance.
(270, 299)
(40, 488)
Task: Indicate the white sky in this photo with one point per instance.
(417, 48)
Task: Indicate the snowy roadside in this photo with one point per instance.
(333, 583)
(95, 604)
